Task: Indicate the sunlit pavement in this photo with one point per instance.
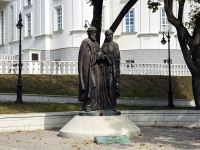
(150, 138)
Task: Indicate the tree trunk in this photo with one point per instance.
(196, 89)
(192, 61)
(192, 58)
(97, 17)
(190, 45)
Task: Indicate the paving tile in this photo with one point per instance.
(157, 138)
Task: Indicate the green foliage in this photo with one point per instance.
(193, 15)
(153, 5)
(196, 1)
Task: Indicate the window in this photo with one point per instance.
(12, 23)
(166, 61)
(130, 21)
(28, 23)
(59, 18)
(27, 2)
(34, 56)
(165, 25)
(2, 27)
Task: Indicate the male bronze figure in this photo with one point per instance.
(88, 69)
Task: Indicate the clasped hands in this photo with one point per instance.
(101, 55)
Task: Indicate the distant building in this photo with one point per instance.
(53, 30)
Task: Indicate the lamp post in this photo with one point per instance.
(170, 93)
(86, 26)
(19, 83)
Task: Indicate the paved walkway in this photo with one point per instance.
(151, 138)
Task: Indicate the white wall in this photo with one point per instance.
(147, 35)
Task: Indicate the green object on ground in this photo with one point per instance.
(123, 139)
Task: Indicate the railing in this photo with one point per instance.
(71, 67)
(7, 57)
(154, 69)
(39, 67)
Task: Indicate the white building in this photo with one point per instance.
(53, 30)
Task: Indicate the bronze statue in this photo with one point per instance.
(88, 69)
(110, 68)
(99, 72)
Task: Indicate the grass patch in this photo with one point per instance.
(141, 86)
(28, 107)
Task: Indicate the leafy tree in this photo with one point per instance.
(189, 42)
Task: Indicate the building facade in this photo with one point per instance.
(53, 30)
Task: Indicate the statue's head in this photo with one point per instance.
(92, 31)
(109, 35)
(91, 28)
(108, 32)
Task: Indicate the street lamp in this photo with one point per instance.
(19, 83)
(86, 26)
(170, 93)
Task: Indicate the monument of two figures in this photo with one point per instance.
(99, 71)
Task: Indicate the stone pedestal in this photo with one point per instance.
(100, 113)
(87, 127)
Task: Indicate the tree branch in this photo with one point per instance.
(184, 40)
(196, 33)
(170, 16)
(123, 12)
(180, 10)
(184, 37)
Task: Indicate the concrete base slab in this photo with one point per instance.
(87, 127)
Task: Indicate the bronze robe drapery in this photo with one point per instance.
(110, 72)
(88, 70)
